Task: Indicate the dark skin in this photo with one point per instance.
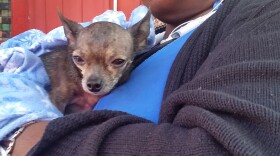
(171, 12)
(28, 138)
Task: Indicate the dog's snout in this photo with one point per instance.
(94, 85)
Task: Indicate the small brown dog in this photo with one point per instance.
(96, 59)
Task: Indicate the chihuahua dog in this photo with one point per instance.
(96, 59)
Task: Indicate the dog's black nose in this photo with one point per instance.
(94, 85)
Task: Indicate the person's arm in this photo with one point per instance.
(28, 138)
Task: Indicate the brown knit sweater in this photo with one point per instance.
(222, 97)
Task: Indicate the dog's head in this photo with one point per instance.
(103, 51)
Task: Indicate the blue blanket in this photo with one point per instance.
(23, 77)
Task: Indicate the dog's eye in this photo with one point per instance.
(78, 60)
(118, 62)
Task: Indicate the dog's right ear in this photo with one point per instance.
(71, 29)
(140, 31)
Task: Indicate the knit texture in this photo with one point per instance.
(222, 97)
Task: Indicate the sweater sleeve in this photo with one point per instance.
(223, 101)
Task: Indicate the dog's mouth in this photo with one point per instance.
(94, 88)
(99, 86)
(101, 93)
(97, 89)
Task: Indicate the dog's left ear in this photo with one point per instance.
(71, 29)
(140, 31)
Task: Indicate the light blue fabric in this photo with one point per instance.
(22, 96)
(142, 94)
(23, 77)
